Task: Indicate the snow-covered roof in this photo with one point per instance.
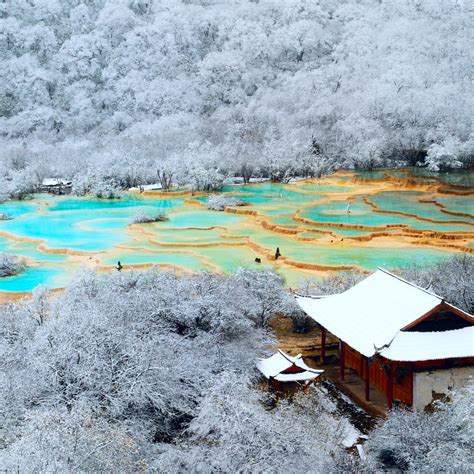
(152, 187)
(369, 317)
(55, 182)
(417, 346)
(275, 366)
(147, 187)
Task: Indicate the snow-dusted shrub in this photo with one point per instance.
(414, 441)
(268, 296)
(336, 283)
(234, 432)
(444, 156)
(453, 279)
(18, 184)
(143, 218)
(106, 190)
(10, 265)
(302, 323)
(218, 202)
(90, 183)
(201, 178)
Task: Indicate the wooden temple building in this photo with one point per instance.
(403, 340)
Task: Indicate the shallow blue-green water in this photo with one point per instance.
(58, 235)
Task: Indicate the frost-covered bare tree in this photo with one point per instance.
(336, 283)
(218, 202)
(268, 297)
(201, 178)
(452, 279)
(234, 430)
(72, 441)
(109, 373)
(440, 441)
(10, 265)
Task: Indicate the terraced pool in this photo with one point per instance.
(311, 222)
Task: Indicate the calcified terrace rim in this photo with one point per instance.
(258, 222)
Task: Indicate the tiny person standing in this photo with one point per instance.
(277, 253)
(119, 266)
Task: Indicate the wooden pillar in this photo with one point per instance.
(367, 377)
(342, 354)
(323, 345)
(411, 374)
(390, 386)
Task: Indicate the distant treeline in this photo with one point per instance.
(131, 92)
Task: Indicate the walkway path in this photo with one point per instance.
(309, 344)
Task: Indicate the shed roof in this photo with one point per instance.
(371, 315)
(55, 182)
(275, 366)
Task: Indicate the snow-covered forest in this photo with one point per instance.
(155, 372)
(150, 371)
(118, 90)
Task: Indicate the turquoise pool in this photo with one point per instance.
(58, 235)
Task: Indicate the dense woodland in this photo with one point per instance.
(152, 371)
(123, 92)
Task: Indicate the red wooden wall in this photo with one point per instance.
(403, 383)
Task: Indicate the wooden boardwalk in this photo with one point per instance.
(353, 386)
(309, 345)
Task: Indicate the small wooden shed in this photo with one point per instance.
(283, 370)
(55, 186)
